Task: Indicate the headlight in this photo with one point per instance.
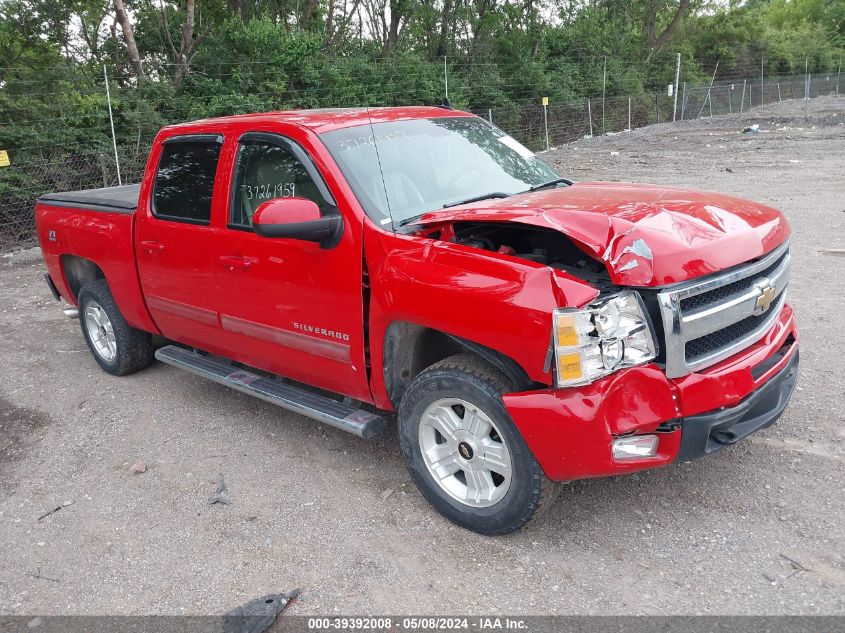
(601, 338)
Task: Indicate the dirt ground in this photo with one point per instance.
(757, 528)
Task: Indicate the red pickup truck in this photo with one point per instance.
(419, 265)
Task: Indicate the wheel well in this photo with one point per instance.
(410, 348)
(79, 271)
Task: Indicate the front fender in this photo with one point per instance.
(496, 301)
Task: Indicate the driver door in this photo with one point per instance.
(289, 306)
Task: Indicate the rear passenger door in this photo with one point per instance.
(174, 238)
(289, 306)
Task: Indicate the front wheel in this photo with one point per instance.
(465, 453)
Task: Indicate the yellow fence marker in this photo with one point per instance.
(4, 158)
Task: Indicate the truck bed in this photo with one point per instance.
(112, 199)
(96, 225)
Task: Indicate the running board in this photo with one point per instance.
(313, 405)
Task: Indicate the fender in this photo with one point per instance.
(409, 348)
(497, 307)
(508, 366)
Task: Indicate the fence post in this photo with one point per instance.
(490, 115)
(677, 78)
(730, 99)
(657, 105)
(762, 83)
(806, 84)
(603, 93)
(590, 115)
(111, 122)
(709, 88)
(546, 120)
(102, 161)
(684, 101)
(779, 92)
(742, 103)
(838, 73)
(629, 114)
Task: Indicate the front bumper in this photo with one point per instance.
(708, 432)
(570, 431)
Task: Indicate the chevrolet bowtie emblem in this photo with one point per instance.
(765, 298)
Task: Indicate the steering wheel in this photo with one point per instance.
(463, 171)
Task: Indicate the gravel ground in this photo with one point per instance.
(756, 528)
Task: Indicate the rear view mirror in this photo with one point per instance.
(297, 219)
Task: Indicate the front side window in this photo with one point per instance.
(402, 169)
(266, 170)
(184, 182)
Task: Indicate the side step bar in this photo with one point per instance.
(338, 414)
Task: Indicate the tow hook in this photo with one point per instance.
(724, 436)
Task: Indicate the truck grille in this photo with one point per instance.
(708, 320)
(724, 293)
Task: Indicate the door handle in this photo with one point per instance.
(235, 262)
(152, 247)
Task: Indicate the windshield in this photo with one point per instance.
(429, 163)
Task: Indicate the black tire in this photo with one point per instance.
(134, 348)
(473, 380)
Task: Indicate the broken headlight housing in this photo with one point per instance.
(601, 338)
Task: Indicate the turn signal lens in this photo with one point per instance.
(567, 330)
(569, 366)
(599, 339)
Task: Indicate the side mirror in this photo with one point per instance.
(297, 219)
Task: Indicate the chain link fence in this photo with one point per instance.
(22, 182)
(595, 116)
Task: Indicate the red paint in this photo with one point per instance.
(286, 211)
(498, 301)
(84, 233)
(570, 430)
(689, 233)
(293, 308)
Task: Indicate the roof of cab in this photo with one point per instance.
(326, 119)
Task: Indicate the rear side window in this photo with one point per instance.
(184, 182)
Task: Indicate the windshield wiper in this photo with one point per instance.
(413, 218)
(485, 196)
(551, 183)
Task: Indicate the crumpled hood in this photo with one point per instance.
(647, 235)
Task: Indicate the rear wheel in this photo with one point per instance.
(117, 347)
(465, 453)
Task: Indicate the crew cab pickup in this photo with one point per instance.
(418, 267)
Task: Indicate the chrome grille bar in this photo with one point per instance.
(764, 294)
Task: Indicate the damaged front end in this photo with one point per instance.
(642, 235)
(536, 244)
(613, 332)
(613, 404)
